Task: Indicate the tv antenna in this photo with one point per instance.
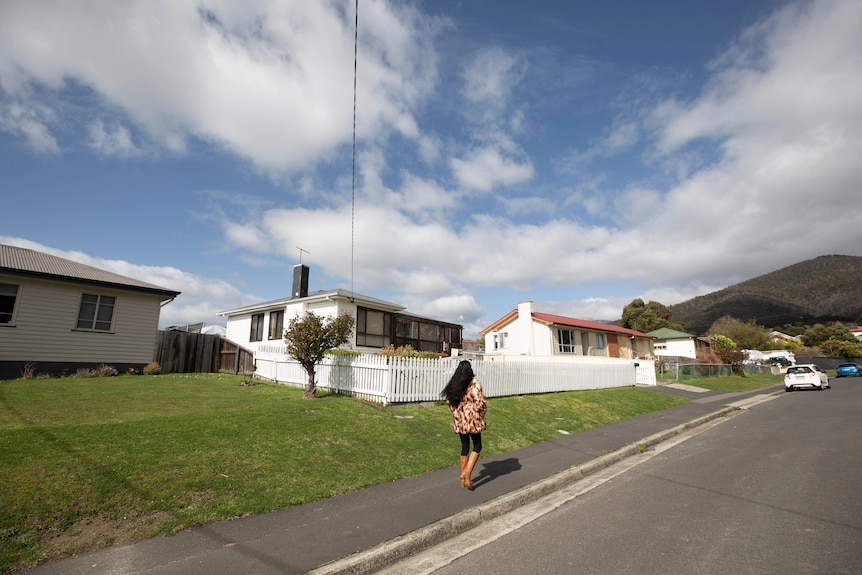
(300, 253)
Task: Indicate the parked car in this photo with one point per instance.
(805, 376)
(848, 369)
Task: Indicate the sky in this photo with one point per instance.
(577, 154)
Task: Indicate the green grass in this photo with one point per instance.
(734, 383)
(87, 463)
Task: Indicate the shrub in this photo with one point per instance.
(402, 351)
(100, 370)
(152, 368)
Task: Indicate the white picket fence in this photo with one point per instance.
(409, 380)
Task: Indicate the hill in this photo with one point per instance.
(827, 288)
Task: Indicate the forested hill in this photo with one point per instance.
(826, 288)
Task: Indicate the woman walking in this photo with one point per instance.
(464, 396)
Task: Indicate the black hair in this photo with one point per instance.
(454, 391)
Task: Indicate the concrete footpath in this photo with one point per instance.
(364, 531)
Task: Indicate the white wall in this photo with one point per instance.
(678, 348)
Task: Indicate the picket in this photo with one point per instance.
(397, 380)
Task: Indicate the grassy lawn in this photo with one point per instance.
(733, 383)
(89, 463)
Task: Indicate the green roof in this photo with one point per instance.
(667, 333)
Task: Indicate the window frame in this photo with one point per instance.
(99, 307)
(571, 346)
(601, 340)
(365, 338)
(276, 328)
(255, 332)
(16, 298)
(501, 340)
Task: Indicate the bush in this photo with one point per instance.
(152, 368)
(100, 370)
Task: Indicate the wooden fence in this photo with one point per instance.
(409, 380)
(186, 352)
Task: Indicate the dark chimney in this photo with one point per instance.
(300, 281)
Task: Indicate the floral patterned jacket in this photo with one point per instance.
(469, 415)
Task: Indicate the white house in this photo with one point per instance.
(378, 323)
(525, 332)
(674, 343)
(59, 315)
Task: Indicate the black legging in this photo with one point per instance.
(465, 442)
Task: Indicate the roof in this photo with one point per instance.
(551, 319)
(584, 324)
(30, 263)
(667, 333)
(316, 296)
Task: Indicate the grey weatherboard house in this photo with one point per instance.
(60, 316)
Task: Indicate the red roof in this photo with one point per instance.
(593, 325)
(551, 319)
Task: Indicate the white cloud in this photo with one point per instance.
(487, 168)
(489, 77)
(112, 140)
(30, 123)
(201, 298)
(270, 81)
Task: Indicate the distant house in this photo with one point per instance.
(674, 343)
(778, 336)
(62, 315)
(525, 332)
(378, 323)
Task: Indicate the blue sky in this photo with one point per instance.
(577, 154)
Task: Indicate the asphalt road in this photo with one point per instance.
(775, 489)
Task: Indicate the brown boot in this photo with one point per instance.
(468, 470)
(463, 465)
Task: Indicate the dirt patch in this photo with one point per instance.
(99, 532)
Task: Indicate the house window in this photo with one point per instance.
(601, 341)
(96, 312)
(501, 340)
(256, 327)
(567, 341)
(276, 324)
(8, 298)
(373, 328)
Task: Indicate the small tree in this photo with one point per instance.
(746, 334)
(309, 337)
(728, 352)
(647, 317)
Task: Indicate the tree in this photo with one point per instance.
(647, 317)
(841, 348)
(816, 335)
(309, 337)
(746, 335)
(841, 332)
(728, 351)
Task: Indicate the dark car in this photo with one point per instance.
(848, 369)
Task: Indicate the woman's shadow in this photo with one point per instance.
(494, 469)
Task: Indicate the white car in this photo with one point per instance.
(806, 375)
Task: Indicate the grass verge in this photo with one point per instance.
(90, 463)
(734, 383)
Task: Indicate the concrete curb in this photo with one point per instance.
(389, 552)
